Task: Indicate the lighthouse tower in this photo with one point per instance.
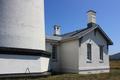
(22, 37)
(22, 24)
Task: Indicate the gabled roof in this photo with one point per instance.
(82, 32)
(77, 33)
(72, 34)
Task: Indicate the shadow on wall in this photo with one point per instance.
(49, 66)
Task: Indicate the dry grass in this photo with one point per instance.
(115, 64)
(113, 75)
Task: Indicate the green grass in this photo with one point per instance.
(113, 75)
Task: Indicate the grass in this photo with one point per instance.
(113, 75)
(115, 64)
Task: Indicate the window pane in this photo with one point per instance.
(101, 52)
(89, 56)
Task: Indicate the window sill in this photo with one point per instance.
(89, 61)
(54, 60)
(101, 61)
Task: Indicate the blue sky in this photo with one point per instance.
(71, 15)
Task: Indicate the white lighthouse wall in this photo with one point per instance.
(22, 24)
(11, 64)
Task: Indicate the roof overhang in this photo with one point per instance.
(55, 38)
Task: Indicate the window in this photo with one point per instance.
(101, 52)
(80, 41)
(95, 32)
(54, 52)
(89, 51)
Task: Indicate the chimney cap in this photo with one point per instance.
(91, 11)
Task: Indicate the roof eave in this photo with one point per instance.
(69, 39)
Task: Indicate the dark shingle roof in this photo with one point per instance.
(70, 34)
(82, 32)
(77, 33)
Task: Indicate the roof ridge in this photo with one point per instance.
(79, 31)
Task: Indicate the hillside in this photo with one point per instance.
(115, 56)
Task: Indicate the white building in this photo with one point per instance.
(81, 51)
(22, 37)
(22, 42)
